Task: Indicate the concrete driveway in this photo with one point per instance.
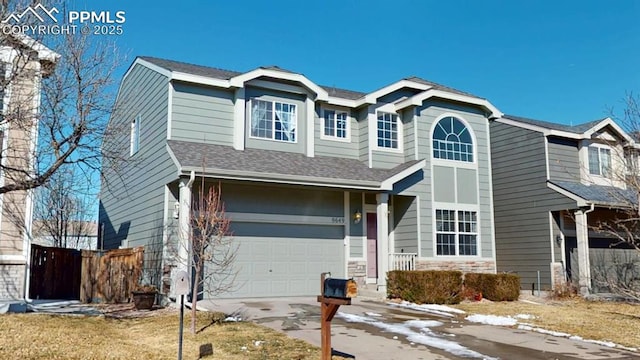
(374, 330)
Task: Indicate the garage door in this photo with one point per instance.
(288, 264)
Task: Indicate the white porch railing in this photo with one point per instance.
(402, 261)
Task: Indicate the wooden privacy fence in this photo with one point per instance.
(88, 276)
(55, 273)
(110, 276)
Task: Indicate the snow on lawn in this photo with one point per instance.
(417, 331)
(525, 317)
(492, 320)
(435, 309)
(513, 321)
(574, 337)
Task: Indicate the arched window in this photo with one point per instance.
(452, 140)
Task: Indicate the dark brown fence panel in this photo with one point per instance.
(110, 276)
(55, 273)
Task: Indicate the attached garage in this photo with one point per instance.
(287, 266)
(285, 238)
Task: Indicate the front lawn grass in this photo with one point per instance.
(40, 336)
(594, 320)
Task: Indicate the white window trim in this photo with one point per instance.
(388, 110)
(456, 208)
(273, 103)
(347, 137)
(617, 164)
(134, 138)
(600, 147)
(474, 140)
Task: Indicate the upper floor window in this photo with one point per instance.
(452, 140)
(599, 161)
(273, 120)
(135, 135)
(335, 124)
(387, 130)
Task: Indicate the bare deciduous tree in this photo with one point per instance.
(621, 273)
(211, 247)
(67, 109)
(63, 211)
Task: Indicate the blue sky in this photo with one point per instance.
(563, 61)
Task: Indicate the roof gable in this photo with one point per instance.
(585, 130)
(230, 78)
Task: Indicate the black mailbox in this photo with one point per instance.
(340, 288)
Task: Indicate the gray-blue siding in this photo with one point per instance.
(348, 148)
(427, 115)
(522, 203)
(132, 198)
(202, 114)
(406, 224)
(564, 161)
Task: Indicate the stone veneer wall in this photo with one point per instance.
(11, 281)
(357, 270)
(557, 274)
(464, 266)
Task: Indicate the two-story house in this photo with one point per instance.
(23, 64)
(314, 178)
(553, 184)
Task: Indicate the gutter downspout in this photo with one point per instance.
(192, 178)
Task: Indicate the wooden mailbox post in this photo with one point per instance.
(333, 293)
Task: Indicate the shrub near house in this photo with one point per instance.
(425, 287)
(494, 287)
(448, 287)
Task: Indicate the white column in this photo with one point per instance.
(184, 216)
(372, 132)
(582, 236)
(310, 121)
(382, 212)
(239, 120)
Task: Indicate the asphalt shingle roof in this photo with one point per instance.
(223, 74)
(219, 158)
(342, 93)
(440, 86)
(576, 129)
(191, 68)
(598, 194)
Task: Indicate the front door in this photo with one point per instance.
(372, 246)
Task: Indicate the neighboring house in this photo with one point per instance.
(552, 184)
(18, 134)
(73, 234)
(314, 178)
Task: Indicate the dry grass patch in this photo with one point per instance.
(39, 336)
(604, 321)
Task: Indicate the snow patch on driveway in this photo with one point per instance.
(424, 335)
